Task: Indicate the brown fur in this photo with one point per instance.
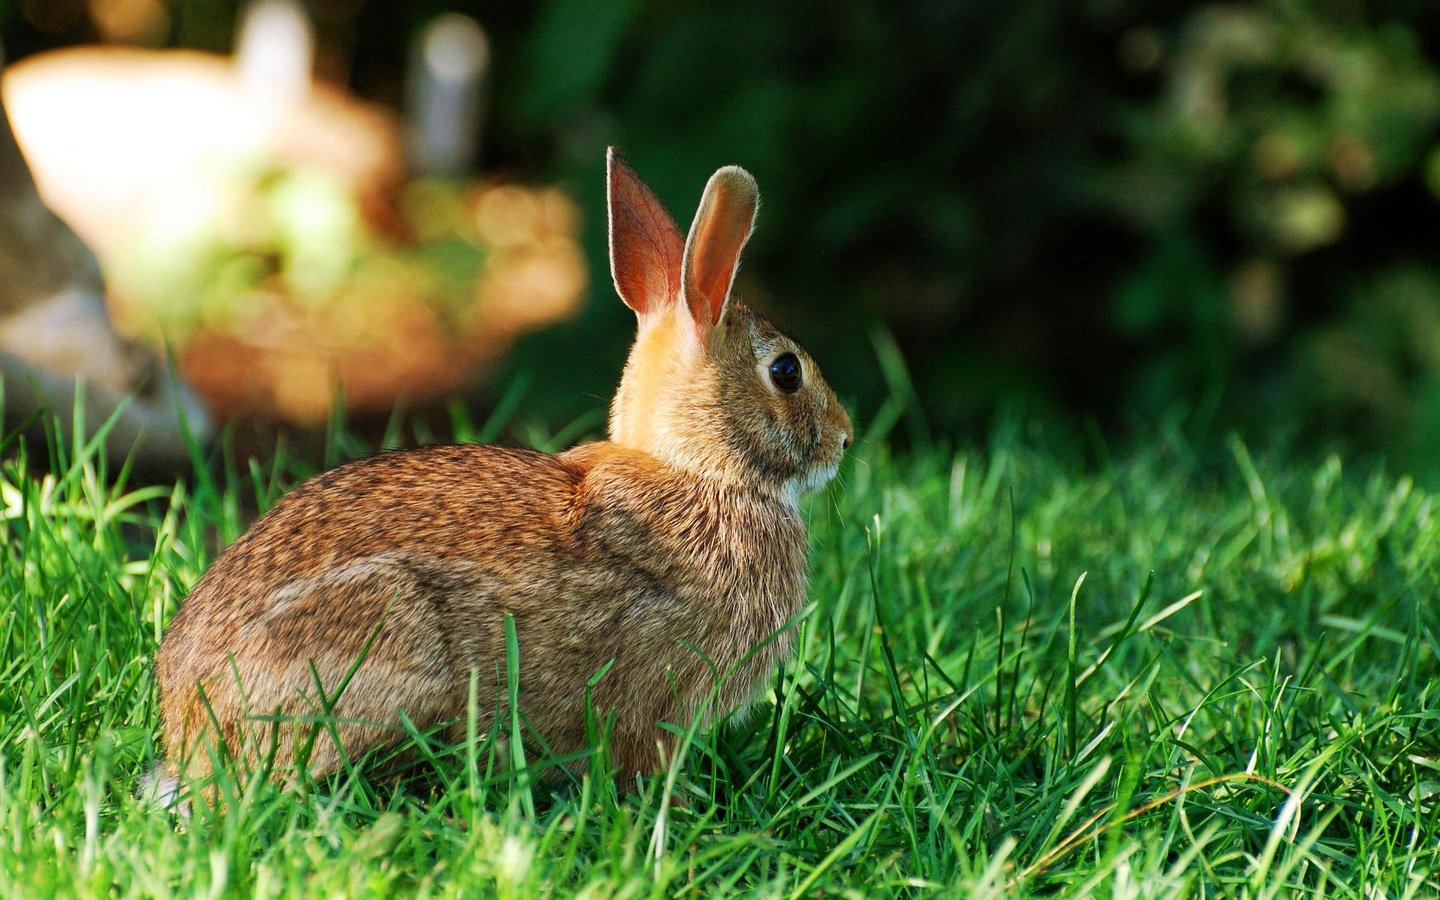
(681, 530)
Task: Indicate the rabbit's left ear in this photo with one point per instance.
(712, 251)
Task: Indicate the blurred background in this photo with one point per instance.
(1103, 213)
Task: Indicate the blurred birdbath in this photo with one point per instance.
(263, 226)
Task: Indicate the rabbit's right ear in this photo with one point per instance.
(712, 253)
(646, 247)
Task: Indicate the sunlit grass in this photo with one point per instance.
(1168, 673)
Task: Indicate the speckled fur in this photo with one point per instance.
(682, 530)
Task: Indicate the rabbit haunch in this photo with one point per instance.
(680, 534)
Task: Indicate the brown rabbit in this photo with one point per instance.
(680, 533)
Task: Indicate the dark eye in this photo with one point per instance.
(785, 373)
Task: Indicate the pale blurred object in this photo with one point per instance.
(123, 140)
(275, 52)
(57, 342)
(445, 96)
(263, 227)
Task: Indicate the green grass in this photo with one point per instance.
(1168, 673)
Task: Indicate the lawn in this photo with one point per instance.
(1188, 668)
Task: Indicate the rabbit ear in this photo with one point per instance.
(712, 252)
(645, 243)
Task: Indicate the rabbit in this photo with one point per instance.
(669, 552)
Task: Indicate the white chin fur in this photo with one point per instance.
(813, 480)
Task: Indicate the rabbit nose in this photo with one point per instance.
(844, 440)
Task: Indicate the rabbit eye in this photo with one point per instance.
(785, 373)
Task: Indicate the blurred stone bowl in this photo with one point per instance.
(270, 241)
